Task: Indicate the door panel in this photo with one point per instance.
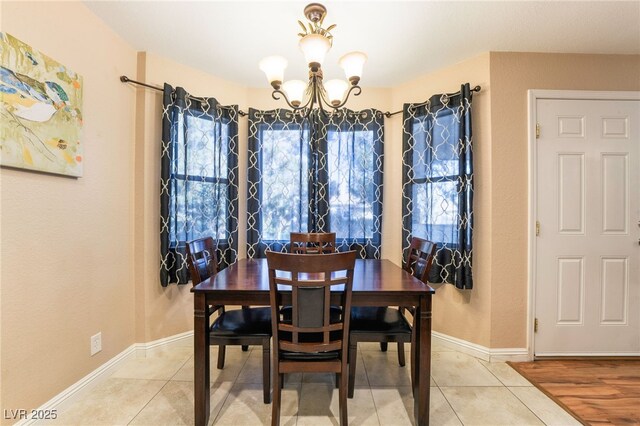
(570, 290)
(587, 290)
(571, 193)
(615, 291)
(615, 185)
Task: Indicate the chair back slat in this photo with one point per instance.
(310, 279)
(420, 258)
(312, 242)
(202, 259)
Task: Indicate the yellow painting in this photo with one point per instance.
(40, 111)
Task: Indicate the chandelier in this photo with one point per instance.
(315, 42)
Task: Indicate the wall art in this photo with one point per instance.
(40, 111)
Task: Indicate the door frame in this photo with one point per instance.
(533, 97)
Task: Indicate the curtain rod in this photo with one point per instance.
(449, 95)
(125, 79)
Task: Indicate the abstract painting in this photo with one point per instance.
(40, 111)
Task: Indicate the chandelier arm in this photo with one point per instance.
(321, 103)
(323, 100)
(277, 92)
(325, 113)
(358, 90)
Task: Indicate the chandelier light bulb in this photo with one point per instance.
(352, 63)
(273, 67)
(295, 91)
(336, 90)
(315, 48)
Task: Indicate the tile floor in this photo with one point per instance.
(158, 390)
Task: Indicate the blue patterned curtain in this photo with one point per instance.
(199, 180)
(437, 187)
(322, 173)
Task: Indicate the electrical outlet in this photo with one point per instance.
(96, 344)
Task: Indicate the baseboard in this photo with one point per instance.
(589, 355)
(100, 374)
(479, 351)
(143, 349)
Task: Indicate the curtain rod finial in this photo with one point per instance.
(124, 78)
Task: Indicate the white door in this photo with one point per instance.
(587, 289)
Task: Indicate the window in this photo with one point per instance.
(199, 180)
(437, 183)
(317, 174)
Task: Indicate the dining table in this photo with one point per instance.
(375, 283)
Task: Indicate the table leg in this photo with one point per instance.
(423, 361)
(201, 360)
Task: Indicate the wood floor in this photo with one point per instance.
(597, 392)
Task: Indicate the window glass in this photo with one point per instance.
(205, 157)
(435, 212)
(435, 192)
(201, 174)
(351, 183)
(284, 183)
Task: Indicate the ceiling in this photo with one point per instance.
(404, 39)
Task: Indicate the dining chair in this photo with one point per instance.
(239, 327)
(312, 340)
(312, 242)
(387, 324)
(203, 263)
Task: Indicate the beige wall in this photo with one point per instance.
(67, 270)
(464, 314)
(512, 74)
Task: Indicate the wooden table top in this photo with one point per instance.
(369, 276)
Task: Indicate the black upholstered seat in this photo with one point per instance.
(379, 320)
(240, 322)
